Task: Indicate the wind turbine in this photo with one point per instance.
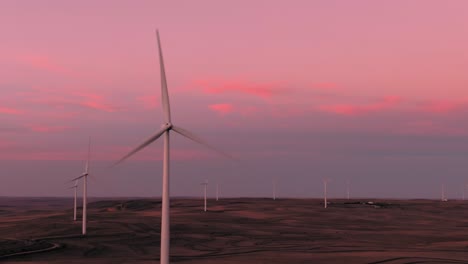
(463, 195)
(74, 201)
(274, 189)
(464, 190)
(166, 128)
(443, 198)
(85, 195)
(325, 182)
(347, 189)
(217, 191)
(205, 184)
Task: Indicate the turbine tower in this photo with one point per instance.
(205, 185)
(347, 189)
(274, 189)
(217, 191)
(325, 203)
(164, 131)
(442, 195)
(75, 187)
(464, 191)
(85, 195)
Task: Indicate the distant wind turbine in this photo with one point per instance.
(274, 189)
(463, 194)
(85, 195)
(166, 128)
(325, 203)
(75, 187)
(205, 185)
(443, 197)
(347, 189)
(217, 191)
(464, 191)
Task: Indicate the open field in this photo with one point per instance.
(239, 231)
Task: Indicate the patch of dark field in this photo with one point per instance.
(248, 231)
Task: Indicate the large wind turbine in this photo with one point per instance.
(205, 185)
(166, 128)
(85, 195)
(217, 191)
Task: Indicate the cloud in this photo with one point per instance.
(95, 101)
(10, 111)
(221, 109)
(260, 90)
(60, 100)
(325, 85)
(358, 109)
(443, 106)
(43, 63)
(148, 101)
(49, 129)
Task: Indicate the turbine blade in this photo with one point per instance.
(195, 138)
(164, 93)
(143, 145)
(89, 154)
(79, 177)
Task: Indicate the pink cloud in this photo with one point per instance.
(148, 101)
(10, 111)
(60, 100)
(325, 85)
(356, 109)
(264, 91)
(442, 107)
(43, 63)
(222, 109)
(95, 101)
(49, 129)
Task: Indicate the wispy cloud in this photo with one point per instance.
(62, 99)
(10, 111)
(358, 109)
(43, 62)
(148, 101)
(260, 90)
(222, 109)
(49, 128)
(444, 106)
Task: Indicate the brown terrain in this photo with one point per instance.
(239, 230)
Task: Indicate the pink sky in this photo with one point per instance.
(259, 79)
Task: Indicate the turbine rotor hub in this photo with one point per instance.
(168, 126)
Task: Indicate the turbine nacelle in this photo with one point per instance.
(167, 126)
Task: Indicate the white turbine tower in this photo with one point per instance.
(75, 187)
(85, 195)
(205, 185)
(166, 128)
(217, 191)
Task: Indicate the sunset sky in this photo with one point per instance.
(374, 92)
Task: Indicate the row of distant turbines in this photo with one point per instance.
(164, 132)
